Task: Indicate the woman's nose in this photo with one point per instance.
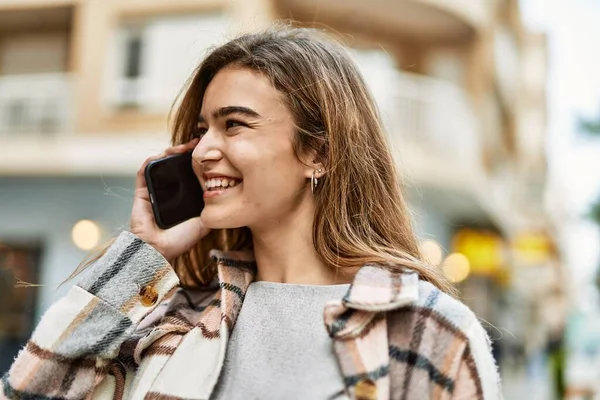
(207, 149)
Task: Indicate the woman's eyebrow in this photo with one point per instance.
(225, 111)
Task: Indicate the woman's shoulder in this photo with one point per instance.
(439, 334)
(434, 309)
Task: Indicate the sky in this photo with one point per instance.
(573, 29)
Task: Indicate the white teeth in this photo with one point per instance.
(220, 182)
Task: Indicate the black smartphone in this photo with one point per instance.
(175, 192)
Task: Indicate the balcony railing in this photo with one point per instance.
(35, 104)
(429, 115)
(435, 114)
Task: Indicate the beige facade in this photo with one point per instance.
(448, 42)
(463, 95)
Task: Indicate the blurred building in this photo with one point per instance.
(86, 87)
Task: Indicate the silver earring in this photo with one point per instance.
(314, 181)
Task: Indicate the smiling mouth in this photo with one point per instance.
(216, 184)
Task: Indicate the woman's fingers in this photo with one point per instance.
(140, 179)
(171, 242)
(181, 148)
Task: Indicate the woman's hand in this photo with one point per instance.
(171, 242)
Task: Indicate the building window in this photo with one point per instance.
(133, 54)
(130, 66)
(152, 59)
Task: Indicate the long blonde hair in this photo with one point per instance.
(361, 216)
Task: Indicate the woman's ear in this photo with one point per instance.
(317, 168)
(315, 161)
(313, 164)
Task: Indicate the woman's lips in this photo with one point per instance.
(209, 194)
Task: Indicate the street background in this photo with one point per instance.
(492, 108)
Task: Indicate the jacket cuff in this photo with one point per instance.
(131, 276)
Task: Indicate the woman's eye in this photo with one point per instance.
(232, 124)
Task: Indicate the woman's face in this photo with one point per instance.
(245, 159)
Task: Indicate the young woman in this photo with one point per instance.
(315, 288)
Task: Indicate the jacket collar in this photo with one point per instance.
(374, 288)
(236, 270)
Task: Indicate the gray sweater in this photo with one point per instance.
(264, 361)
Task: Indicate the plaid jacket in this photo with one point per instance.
(125, 331)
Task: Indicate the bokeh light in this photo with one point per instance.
(432, 251)
(86, 234)
(456, 267)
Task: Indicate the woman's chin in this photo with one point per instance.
(214, 219)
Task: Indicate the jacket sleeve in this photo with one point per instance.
(477, 375)
(71, 349)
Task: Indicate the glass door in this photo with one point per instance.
(19, 274)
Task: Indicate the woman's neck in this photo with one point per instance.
(285, 252)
